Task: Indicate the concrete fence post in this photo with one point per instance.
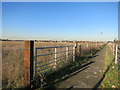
(67, 49)
(116, 54)
(74, 52)
(55, 57)
(77, 49)
(28, 62)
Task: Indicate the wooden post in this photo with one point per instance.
(80, 50)
(113, 49)
(28, 62)
(35, 60)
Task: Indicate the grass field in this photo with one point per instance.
(12, 59)
(12, 64)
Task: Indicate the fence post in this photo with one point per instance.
(66, 54)
(35, 60)
(55, 57)
(87, 45)
(77, 49)
(28, 62)
(80, 51)
(113, 49)
(116, 54)
(74, 52)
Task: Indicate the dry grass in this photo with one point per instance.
(12, 58)
(12, 63)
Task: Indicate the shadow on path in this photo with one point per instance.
(99, 82)
(80, 69)
(83, 67)
(68, 73)
(90, 76)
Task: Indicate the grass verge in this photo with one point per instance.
(111, 70)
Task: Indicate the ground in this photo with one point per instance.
(89, 76)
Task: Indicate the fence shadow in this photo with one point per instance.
(81, 63)
(65, 73)
(102, 78)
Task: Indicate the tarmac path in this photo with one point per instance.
(89, 76)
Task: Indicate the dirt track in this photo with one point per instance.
(89, 76)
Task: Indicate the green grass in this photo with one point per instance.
(111, 79)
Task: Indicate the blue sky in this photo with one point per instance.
(60, 20)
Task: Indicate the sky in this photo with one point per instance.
(60, 0)
(119, 21)
(60, 20)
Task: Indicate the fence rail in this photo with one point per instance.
(52, 47)
(48, 62)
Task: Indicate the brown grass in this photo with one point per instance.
(12, 63)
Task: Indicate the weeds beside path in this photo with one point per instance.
(111, 73)
(89, 76)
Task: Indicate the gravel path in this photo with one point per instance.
(89, 76)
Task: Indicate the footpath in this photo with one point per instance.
(87, 77)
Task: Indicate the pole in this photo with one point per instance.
(28, 62)
(116, 54)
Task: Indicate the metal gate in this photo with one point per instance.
(53, 58)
